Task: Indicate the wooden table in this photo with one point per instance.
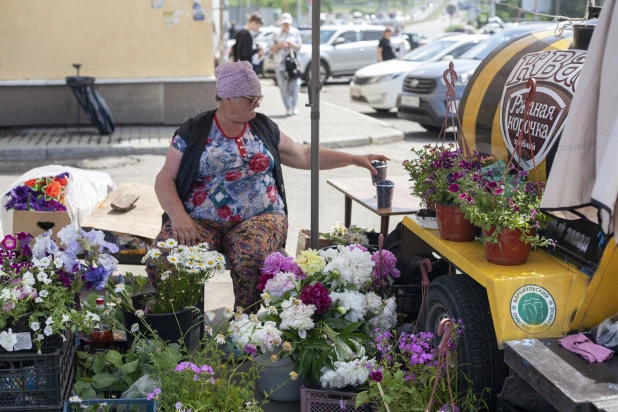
(361, 190)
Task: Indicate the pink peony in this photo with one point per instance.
(388, 265)
(280, 283)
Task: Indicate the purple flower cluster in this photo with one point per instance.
(15, 253)
(317, 295)
(197, 370)
(388, 260)
(417, 347)
(154, 394)
(383, 343)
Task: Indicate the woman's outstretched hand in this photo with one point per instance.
(365, 161)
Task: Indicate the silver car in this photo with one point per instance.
(344, 50)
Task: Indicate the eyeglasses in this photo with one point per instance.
(254, 100)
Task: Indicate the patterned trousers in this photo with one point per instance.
(247, 245)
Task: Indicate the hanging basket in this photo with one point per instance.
(510, 249)
(453, 225)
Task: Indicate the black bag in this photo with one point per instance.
(292, 66)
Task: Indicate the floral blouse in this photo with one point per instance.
(234, 180)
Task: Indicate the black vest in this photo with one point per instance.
(195, 133)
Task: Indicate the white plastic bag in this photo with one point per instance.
(85, 189)
(606, 333)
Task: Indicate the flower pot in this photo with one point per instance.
(510, 250)
(274, 375)
(169, 326)
(452, 224)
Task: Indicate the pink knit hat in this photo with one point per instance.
(236, 80)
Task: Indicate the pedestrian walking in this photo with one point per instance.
(233, 30)
(222, 182)
(244, 49)
(285, 44)
(385, 48)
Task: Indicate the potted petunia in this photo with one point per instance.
(403, 375)
(507, 208)
(436, 174)
(40, 285)
(326, 305)
(181, 273)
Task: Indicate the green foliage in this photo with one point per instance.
(100, 374)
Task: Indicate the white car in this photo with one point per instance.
(380, 84)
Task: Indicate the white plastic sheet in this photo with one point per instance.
(85, 189)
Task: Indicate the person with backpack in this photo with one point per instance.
(285, 44)
(243, 49)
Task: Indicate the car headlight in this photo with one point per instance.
(385, 78)
(461, 81)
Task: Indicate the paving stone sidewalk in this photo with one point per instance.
(339, 128)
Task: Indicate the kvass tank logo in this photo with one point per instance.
(556, 73)
(533, 309)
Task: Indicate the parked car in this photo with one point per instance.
(414, 38)
(423, 96)
(380, 84)
(345, 49)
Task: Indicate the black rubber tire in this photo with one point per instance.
(460, 297)
(382, 111)
(323, 66)
(433, 129)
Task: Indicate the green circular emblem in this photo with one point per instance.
(533, 309)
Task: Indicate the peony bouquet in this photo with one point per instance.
(40, 284)
(45, 194)
(325, 305)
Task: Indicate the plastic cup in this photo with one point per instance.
(381, 168)
(385, 190)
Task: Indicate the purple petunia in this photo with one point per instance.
(454, 188)
(9, 242)
(97, 277)
(376, 376)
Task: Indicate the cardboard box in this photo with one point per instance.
(37, 223)
(304, 241)
(133, 230)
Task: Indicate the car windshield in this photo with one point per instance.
(428, 51)
(482, 50)
(325, 36)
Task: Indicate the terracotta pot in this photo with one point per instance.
(452, 224)
(510, 250)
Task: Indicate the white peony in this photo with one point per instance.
(354, 265)
(8, 340)
(268, 337)
(297, 315)
(353, 302)
(386, 319)
(242, 330)
(329, 254)
(374, 303)
(331, 378)
(280, 283)
(355, 372)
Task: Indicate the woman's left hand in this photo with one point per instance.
(365, 161)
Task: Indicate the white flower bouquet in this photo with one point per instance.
(325, 306)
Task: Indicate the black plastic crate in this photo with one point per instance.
(32, 382)
(408, 298)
